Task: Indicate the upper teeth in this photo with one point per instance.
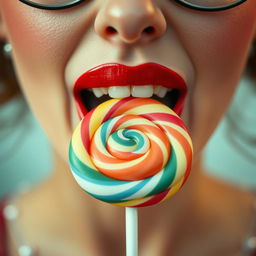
(144, 91)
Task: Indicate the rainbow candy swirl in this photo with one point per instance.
(131, 152)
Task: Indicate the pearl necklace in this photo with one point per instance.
(11, 214)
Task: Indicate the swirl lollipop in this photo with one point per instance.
(131, 152)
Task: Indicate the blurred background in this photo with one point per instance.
(25, 154)
(231, 152)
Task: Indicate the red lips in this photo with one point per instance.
(114, 74)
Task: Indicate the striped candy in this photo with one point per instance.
(131, 152)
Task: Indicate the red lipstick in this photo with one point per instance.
(114, 74)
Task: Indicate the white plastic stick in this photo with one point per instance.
(131, 220)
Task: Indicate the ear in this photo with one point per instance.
(3, 35)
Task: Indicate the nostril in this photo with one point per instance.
(149, 30)
(110, 30)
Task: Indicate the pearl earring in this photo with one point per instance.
(7, 49)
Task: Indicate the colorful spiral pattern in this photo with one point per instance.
(131, 152)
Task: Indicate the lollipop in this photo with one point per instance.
(131, 152)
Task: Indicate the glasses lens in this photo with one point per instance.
(211, 3)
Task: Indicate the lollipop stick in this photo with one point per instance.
(131, 217)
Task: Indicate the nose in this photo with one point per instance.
(130, 21)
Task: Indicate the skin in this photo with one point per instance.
(208, 49)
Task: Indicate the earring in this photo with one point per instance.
(7, 49)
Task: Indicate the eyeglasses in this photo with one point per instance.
(201, 5)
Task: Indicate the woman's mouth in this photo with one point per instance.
(113, 80)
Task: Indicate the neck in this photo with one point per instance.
(110, 219)
(90, 223)
(63, 182)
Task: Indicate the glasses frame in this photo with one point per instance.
(209, 9)
(52, 7)
(180, 2)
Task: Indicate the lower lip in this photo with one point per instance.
(114, 74)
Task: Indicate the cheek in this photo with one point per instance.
(217, 40)
(42, 42)
(36, 35)
(217, 45)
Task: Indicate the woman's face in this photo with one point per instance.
(52, 49)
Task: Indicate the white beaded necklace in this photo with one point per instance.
(11, 214)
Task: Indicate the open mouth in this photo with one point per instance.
(113, 80)
(91, 98)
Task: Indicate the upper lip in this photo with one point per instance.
(115, 74)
